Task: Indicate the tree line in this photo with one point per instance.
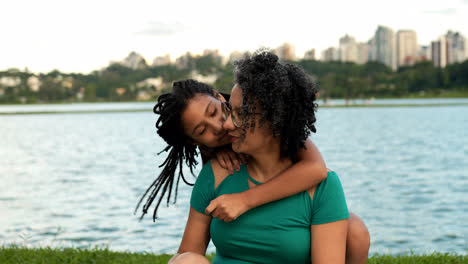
(120, 83)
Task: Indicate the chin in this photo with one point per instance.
(213, 144)
(224, 142)
(237, 147)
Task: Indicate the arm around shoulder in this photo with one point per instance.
(309, 171)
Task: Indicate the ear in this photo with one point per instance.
(219, 96)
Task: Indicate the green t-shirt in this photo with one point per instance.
(277, 232)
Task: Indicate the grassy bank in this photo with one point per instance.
(16, 254)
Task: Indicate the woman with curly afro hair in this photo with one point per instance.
(269, 117)
(193, 114)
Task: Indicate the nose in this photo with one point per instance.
(228, 124)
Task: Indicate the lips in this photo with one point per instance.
(233, 138)
(227, 138)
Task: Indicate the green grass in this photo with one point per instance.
(17, 254)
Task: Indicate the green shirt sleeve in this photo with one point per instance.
(329, 203)
(203, 190)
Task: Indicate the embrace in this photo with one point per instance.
(264, 194)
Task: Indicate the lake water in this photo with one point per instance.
(138, 106)
(74, 179)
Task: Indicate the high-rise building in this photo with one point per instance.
(330, 54)
(439, 52)
(455, 47)
(162, 60)
(184, 61)
(372, 50)
(217, 57)
(134, 61)
(407, 47)
(424, 53)
(309, 55)
(466, 50)
(348, 49)
(235, 55)
(362, 53)
(385, 46)
(286, 52)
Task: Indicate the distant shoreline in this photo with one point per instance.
(149, 110)
(443, 95)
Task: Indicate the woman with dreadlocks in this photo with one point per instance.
(191, 116)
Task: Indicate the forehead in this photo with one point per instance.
(194, 113)
(236, 96)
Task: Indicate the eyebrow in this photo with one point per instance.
(206, 111)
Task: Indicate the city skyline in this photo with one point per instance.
(85, 36)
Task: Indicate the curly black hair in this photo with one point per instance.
(169, 126)
(286, 95)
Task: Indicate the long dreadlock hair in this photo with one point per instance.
(170, 107)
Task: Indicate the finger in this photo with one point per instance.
(234, 160)
(237, 161)
(222, 217)
(229, 164)
(215, 213)
(221, 161)
(209, 209)
(244, 158)
(226, 161)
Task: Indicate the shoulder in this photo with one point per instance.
(329, 202)
(219, 172)
(331, 182)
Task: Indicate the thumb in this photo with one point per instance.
(211, 207)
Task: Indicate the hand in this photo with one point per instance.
(229, 160)
(228, 207)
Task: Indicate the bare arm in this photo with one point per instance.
(196, 235)
(306, 173)
(328, 242)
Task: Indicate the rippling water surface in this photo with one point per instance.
(74, 179)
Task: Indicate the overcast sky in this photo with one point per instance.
(81, 36)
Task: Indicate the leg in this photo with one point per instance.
(188, 258)
(357, 242)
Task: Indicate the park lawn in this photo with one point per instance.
(16, 254)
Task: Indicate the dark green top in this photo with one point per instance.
(278, 232)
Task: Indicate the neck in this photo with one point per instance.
(267, 163)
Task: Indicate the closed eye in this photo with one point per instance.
(214, 112)
(201, 132)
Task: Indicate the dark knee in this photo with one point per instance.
(189, 258)
(358, 236)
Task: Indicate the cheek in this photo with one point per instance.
(209, 140)
(244, 143)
